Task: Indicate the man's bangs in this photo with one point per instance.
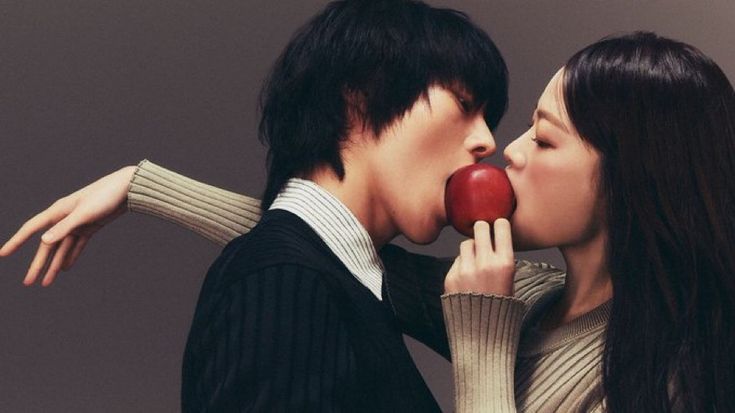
(460, 55)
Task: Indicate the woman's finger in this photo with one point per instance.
(39, 261)
(63, 228)
(30, 227)
(483, 244)
(58, 259)
(44, 219)
(503, 239)
(450, 281)
(467, 256)
(66, 264)
(76, 251)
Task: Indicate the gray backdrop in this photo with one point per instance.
(88, 86)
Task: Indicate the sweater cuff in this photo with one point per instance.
(212, 212)
(483, 332)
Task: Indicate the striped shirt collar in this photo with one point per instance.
(337, 226)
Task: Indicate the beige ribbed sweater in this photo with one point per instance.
(502, 360)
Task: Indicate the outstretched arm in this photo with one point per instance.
(70, 222)
(73, 220)
(214, 213)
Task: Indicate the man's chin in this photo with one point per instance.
(424, 237)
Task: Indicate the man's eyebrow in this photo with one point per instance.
(551, 118)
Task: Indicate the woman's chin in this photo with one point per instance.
(523, 242)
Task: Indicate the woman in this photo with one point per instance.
(626, 169)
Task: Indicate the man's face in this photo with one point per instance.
(412, 160)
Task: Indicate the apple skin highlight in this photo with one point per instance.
(478, 192)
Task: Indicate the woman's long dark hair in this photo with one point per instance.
(662, 116)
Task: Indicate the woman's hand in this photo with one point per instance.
(482, 267)
(73, 220)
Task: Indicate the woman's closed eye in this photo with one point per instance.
(541, 144)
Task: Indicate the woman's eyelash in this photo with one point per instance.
(541, 144)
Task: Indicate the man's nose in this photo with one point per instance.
(482, 141)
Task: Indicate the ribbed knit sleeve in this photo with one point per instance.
(269, 341)
(483, 331)
(212, 212)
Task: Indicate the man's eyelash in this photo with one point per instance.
(466, 104)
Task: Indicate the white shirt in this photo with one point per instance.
(337, 226)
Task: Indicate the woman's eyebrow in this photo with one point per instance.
(553, 119)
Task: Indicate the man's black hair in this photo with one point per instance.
(375, 58)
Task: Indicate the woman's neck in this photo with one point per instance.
(588, 283)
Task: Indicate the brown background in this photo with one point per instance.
(88, 86)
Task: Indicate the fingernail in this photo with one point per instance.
(47, 237)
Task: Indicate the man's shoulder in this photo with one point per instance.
(279, 247)
(253, 276)
(280, 238)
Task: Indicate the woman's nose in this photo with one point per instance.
(513, 155)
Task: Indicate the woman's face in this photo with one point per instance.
(554, 174)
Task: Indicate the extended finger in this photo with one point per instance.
(44, 219)
(76, 251)
(39, 261)
(450, 280)
(66, 264)
(30, 227)
(503, 239)
(58, 259)
(63, 228)
(483, 245)
(467, 255)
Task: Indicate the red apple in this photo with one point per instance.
(478, 192)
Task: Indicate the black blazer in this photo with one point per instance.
(281, 325)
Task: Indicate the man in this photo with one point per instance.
(368, 111)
